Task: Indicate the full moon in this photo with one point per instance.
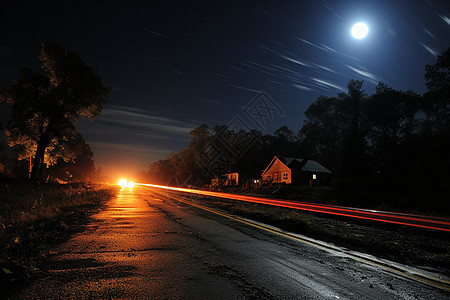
(359, 30)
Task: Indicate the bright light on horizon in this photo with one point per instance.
(126, 184)
(123, 182)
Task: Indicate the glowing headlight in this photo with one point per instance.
(123, 183)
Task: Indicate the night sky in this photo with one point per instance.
(174, 65)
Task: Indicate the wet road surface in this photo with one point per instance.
(429, 222)
(146, 245)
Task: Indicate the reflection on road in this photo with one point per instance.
(143, 246)
(434, 223)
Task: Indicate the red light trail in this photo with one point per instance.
(435, 223)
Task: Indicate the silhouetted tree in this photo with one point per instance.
(283, 142)
(256, 157)
(44, 106)
(437, 98)
(391, 121)
(334, 132)
(285, 134)
(428, 150)
(322, 132)
(354, 155)
(161, 171)
(79, 169)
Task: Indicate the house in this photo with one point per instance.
(252, 183)
(228, 179)
(231, 178)
(295, 170)
(277, 172)
(217, 182)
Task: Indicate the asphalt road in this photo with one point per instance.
(147, 245)
(428, 222)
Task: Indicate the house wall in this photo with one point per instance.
(232, 179)
(217, 182)
(278, 173)
(307, 178)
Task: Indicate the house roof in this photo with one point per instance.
(314, 166)
(306, 165)
(270, 165)
(230, 173)
(289, 160)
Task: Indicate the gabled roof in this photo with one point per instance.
(289, 160)
(270, 165)
(230, 173)
(314, 166)
(305, 165)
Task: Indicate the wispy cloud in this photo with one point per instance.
(428, 32)
(332, 10)
(446, 19)
(235, 68)
(328, 84)
(154, 32)
(301, 87)
(372, 77)
(179, 72)
(277, 82)
(219, 75)
(392, 32)
(202, 18)
(296, 61)
(139, 120)
(119, 156)
(210, 100)
(128, 148)
(129, 136)
(324, 68)
(429, 49)
(327, 48)
(245, 88)
(321, 47)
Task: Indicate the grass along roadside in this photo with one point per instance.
(34, 217)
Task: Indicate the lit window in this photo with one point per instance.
(314, 176)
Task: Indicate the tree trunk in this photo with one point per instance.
(38, 162)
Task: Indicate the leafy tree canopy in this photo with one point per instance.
(437, 105)
(44, 106)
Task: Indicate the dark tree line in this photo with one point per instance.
(357, 135)
(392, 134)
(396, 138)
(45, 105)
(212, 152)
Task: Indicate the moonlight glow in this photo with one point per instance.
(359, 30)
